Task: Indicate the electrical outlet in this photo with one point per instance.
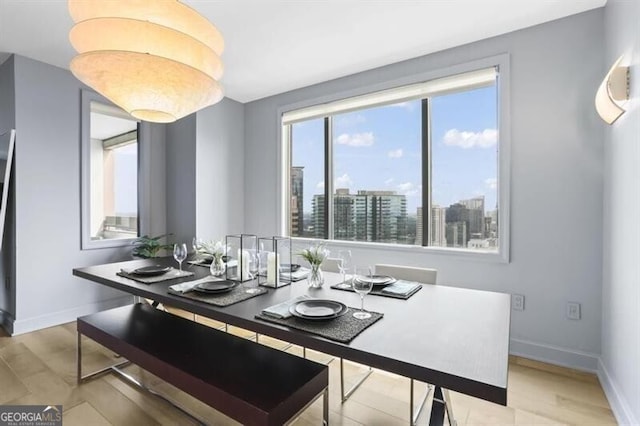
(573, 310)
(517, 302)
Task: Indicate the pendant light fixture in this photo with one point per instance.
(159, 60)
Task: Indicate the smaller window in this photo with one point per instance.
(110, 151)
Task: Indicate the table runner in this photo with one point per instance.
(342, 329)
(412, 288)
(236, 295)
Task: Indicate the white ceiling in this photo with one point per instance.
(273, 46)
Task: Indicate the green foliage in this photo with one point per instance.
(146, 246)
(315, 255)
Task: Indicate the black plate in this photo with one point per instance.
(215, 286)
(318, 309)
(378, 280)
(150, 271)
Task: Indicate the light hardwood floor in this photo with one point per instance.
(39, 368)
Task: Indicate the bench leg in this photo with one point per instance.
(80, 377)
(325, 407)
(136, 383)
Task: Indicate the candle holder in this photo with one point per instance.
(275, 261)
(242, 261)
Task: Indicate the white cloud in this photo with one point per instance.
(396, 153)
(320, 185)
(356, 139)
(408, 189)
(491, 183)
(409, 105)
(350, 120)
(343, 181)
(388, 181)
(484, 139)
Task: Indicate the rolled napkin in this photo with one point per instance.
(189, 286)
(401, 288)
(298, 275)
(281, 310)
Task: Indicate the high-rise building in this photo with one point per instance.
(456, 234)
(297, 201)
(318, 216)
(379, 216)
(438, 226)
(475, 216)
(419, 227)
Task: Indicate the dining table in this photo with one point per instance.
(454, 338)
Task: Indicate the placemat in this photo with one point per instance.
(395, 290)
(170, 275)
(342, 329)
(221, 300)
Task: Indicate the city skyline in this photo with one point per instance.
(380, 149)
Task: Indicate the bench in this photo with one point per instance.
(249, 382)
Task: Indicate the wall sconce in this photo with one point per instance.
(613, 91)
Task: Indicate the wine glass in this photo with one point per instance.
(196, 243)
(345, 263)
(251, 286)
(180, 253)
(362, 282)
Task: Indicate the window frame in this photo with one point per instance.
(500, 61)
(144, 132)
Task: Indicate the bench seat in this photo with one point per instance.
(249, 382)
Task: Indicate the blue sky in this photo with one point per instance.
(126, 179)
(379, 149)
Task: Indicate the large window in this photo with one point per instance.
(414, 165)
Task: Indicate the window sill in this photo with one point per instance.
(452, 253)
(103, 244)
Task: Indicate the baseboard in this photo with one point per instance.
(556, 355)
(22, 326)
(617, 401)
(6, 321)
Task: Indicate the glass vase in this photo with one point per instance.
(315, 278)
(217, 267)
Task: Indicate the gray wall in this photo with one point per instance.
(47, 200)
(7, 122)
(220, 170)
(620, 367)
(181, 179)
(556, 182)
(205, 173)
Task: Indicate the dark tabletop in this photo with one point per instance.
(452, 337)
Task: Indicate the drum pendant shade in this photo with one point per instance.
(159, 60)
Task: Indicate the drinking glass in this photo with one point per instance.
(345, 262)
(180, 253)
(362, 282)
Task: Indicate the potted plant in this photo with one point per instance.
(146, 247)
(315, 255)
